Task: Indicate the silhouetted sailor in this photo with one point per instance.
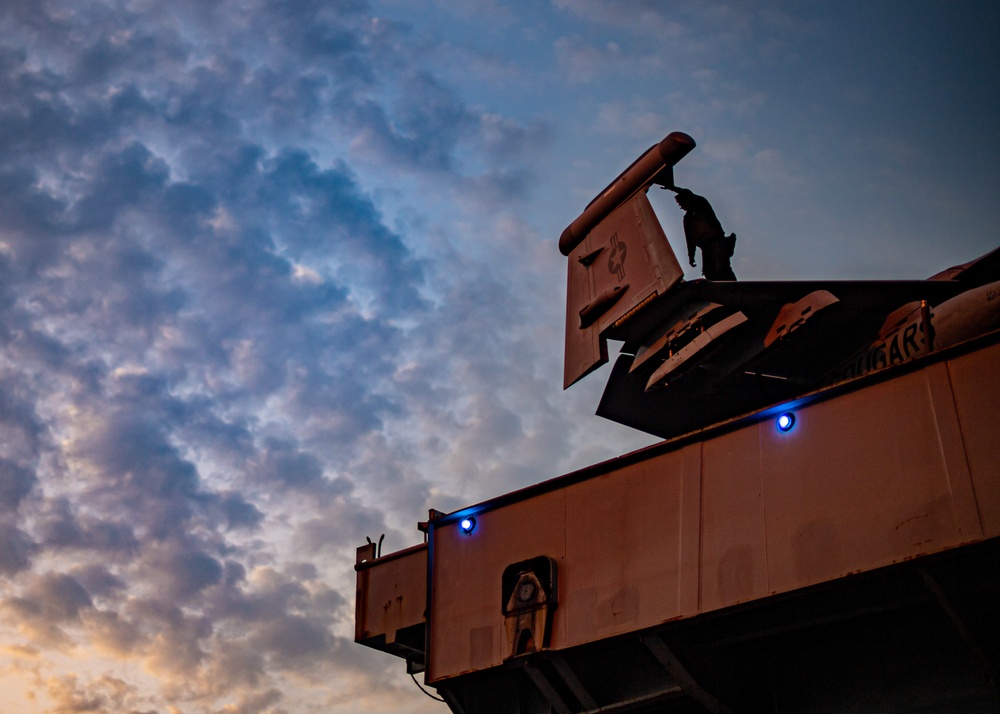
(703, 230)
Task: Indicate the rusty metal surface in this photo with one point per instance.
(631, 549)
(391, 597)
(874, 477)
(468, 630)
(733, 547)
(894, 471)
(914, 637)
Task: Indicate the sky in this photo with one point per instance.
(280, 275)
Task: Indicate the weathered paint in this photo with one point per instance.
(902, 468)
(391, 594)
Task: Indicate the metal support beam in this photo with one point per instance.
(548, 691)
(574, 683)
(646, 700)
(680, 675)
(957, 622)
(450, 700)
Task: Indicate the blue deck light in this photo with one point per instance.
(786, 421)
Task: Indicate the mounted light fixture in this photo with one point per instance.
(785, 422)
(467, 524)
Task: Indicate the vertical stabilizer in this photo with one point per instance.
(619, 258)
(622, 263)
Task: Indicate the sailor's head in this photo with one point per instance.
(683, 196)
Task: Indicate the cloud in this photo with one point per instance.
(772, 168)
(646, 16)
(16, 549)
(253, 703)
(62, 528)
(200, 316)
(16, 482)
(69, 695)
(54, 597)
(617, 117)
(180, 572)
(238, 512)
(49, 603)
(292, 639)
(584, 61)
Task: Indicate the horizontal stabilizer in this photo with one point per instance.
(695, 347)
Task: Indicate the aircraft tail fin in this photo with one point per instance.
(624, 262)
(619, 257)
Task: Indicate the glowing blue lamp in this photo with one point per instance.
(785, 422)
